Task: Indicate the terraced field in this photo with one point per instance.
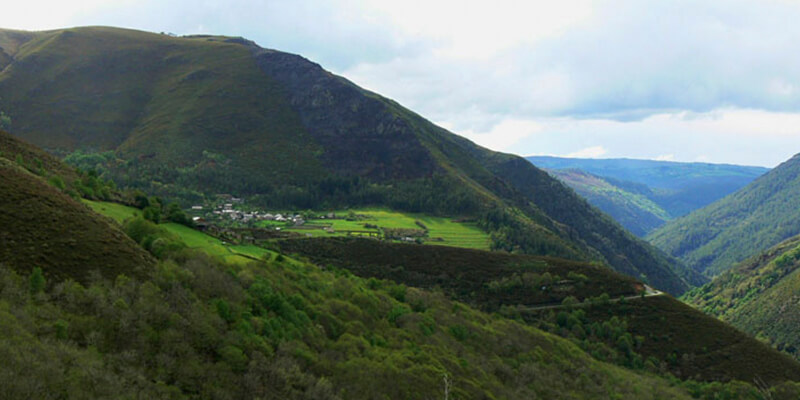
(441, 231)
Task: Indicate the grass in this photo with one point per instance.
(117, 212)
(456, 234)
(192, 238)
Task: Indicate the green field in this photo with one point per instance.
(193, 238)
(456, 234)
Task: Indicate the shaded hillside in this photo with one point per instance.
(677, 187)
(626, 202)
(759, 296)
(194, 116)
(756, 217)
(42, 227)
(681, 340)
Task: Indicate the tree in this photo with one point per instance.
(37, 281)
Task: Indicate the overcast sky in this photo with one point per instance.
(715, 81)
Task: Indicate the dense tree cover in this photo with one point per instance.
(759, 296)
(200, 329)
(678, 339)
(760, 215)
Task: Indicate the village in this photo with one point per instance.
(230, 219)
(232, 212)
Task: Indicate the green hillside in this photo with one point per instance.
(40, 226)
(193, 239)
(632, 209)
(672, 336)
(190, 117)
(759, 296)
(743, 224)
(209, 320)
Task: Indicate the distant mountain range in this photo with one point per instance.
(644, 194)
(190, 117)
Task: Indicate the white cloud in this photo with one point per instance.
(738, 136)
(715, 78)
(589, 152)
(665, 157)
(503, 136)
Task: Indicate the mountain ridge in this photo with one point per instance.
(193, 116)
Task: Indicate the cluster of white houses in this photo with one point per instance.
(227, 211)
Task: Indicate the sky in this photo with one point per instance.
(683, 80)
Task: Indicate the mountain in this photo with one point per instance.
(190, 117)
(193, 326)
(677, 187)
(40, 226)
(627, 202)
(753, 219)
(759, 296)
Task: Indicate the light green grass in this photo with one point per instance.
(453, 233)
(192, 238)
(117, 212)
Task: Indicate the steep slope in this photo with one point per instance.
(677, 187)
(42, 227)
(759, 296)
(686, 342)
(756, 217)
(195, 116)
(626, 202)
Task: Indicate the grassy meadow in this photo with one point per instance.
(191, 237)
(457, 234)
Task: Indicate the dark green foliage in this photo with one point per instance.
(760, 215)
(623, 332)
(153, 238)
(199, 329)
(758, 296)
(36, 281)
(487, 279)
(152, 213)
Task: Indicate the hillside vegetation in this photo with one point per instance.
(759, 296)
(656, 332)
(42, 227)
(189, 117)
(626, 202)
(743, 224)
(198, 324)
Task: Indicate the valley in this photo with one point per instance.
(200, 217)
